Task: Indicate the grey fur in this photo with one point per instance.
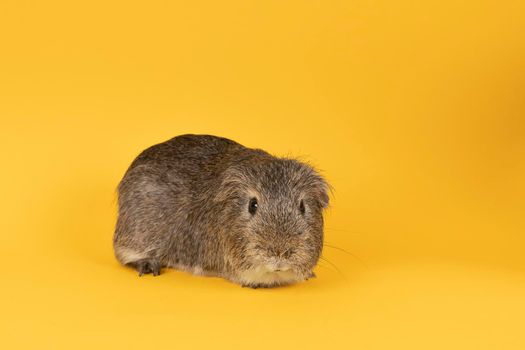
(184, 204)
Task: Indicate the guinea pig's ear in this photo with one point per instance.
(230, 184)
(321, 190)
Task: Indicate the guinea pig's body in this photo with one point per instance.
(209, 206)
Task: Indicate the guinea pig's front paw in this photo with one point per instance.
(310, 275)
(146, 266)
(258, 285)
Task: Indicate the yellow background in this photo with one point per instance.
(413, 110)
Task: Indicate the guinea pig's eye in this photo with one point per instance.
(252, 206)
(302, 209)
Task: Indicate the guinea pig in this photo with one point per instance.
(210, 206)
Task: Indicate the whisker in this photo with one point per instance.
(347, 252)
(324, 266)
(334, 266)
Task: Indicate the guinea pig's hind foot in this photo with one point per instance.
(146, 266)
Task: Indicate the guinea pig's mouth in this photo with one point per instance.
(277, 267)
(271, 275)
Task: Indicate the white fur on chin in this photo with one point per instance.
(261, 275)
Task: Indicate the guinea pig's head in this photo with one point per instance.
(274, 226)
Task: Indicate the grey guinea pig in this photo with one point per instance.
(210, 206)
